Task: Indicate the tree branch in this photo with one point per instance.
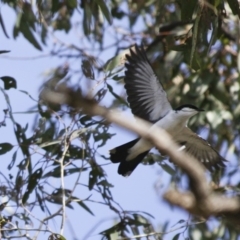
(202, 200)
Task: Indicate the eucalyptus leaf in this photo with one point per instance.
(103, 6)
(5, 147)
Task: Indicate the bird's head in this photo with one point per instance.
(187, 110)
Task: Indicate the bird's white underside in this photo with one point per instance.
(174, 123)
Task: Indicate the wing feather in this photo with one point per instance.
(200, 149)
(146, 96)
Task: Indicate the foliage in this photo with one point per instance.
(193, 48)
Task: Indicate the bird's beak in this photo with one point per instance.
(201, 110)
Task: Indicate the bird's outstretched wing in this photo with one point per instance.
(146, 96)
(200, 149)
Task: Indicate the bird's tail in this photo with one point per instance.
(120, 153)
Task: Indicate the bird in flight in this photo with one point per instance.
(148, 101)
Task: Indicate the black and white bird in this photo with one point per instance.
(148, 101)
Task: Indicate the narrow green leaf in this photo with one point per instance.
(5, 147)
(83, 205)
(87, 17)
(9, 82)
(115, 62)
(195, 32)
(27, 33)
(167, 168)
(40, 201)
(105, 11)
(16, 28)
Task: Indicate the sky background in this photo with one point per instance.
(142, 191)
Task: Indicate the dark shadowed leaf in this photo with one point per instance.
(120, 99)
(76, 152)
(86, 120)
(82, 204)
(105, 11)
(11, 164)
(56, 197)
(105, 183)
(100, 94)
(9, 82)
(32, 182)
(43, 34)
(23, 164)
(28, 34)
(187, 9)
(87, 17)
(94, 175)
(234, 5)
(5, 147)
(3, 26)
(176, 28)
(116, 228)
(3, 205)
(24, 144)
(92, 179)
(103, 137)
(24, 217)
(4, 51)
(87, 69)
(176, 237)
(40, 201)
